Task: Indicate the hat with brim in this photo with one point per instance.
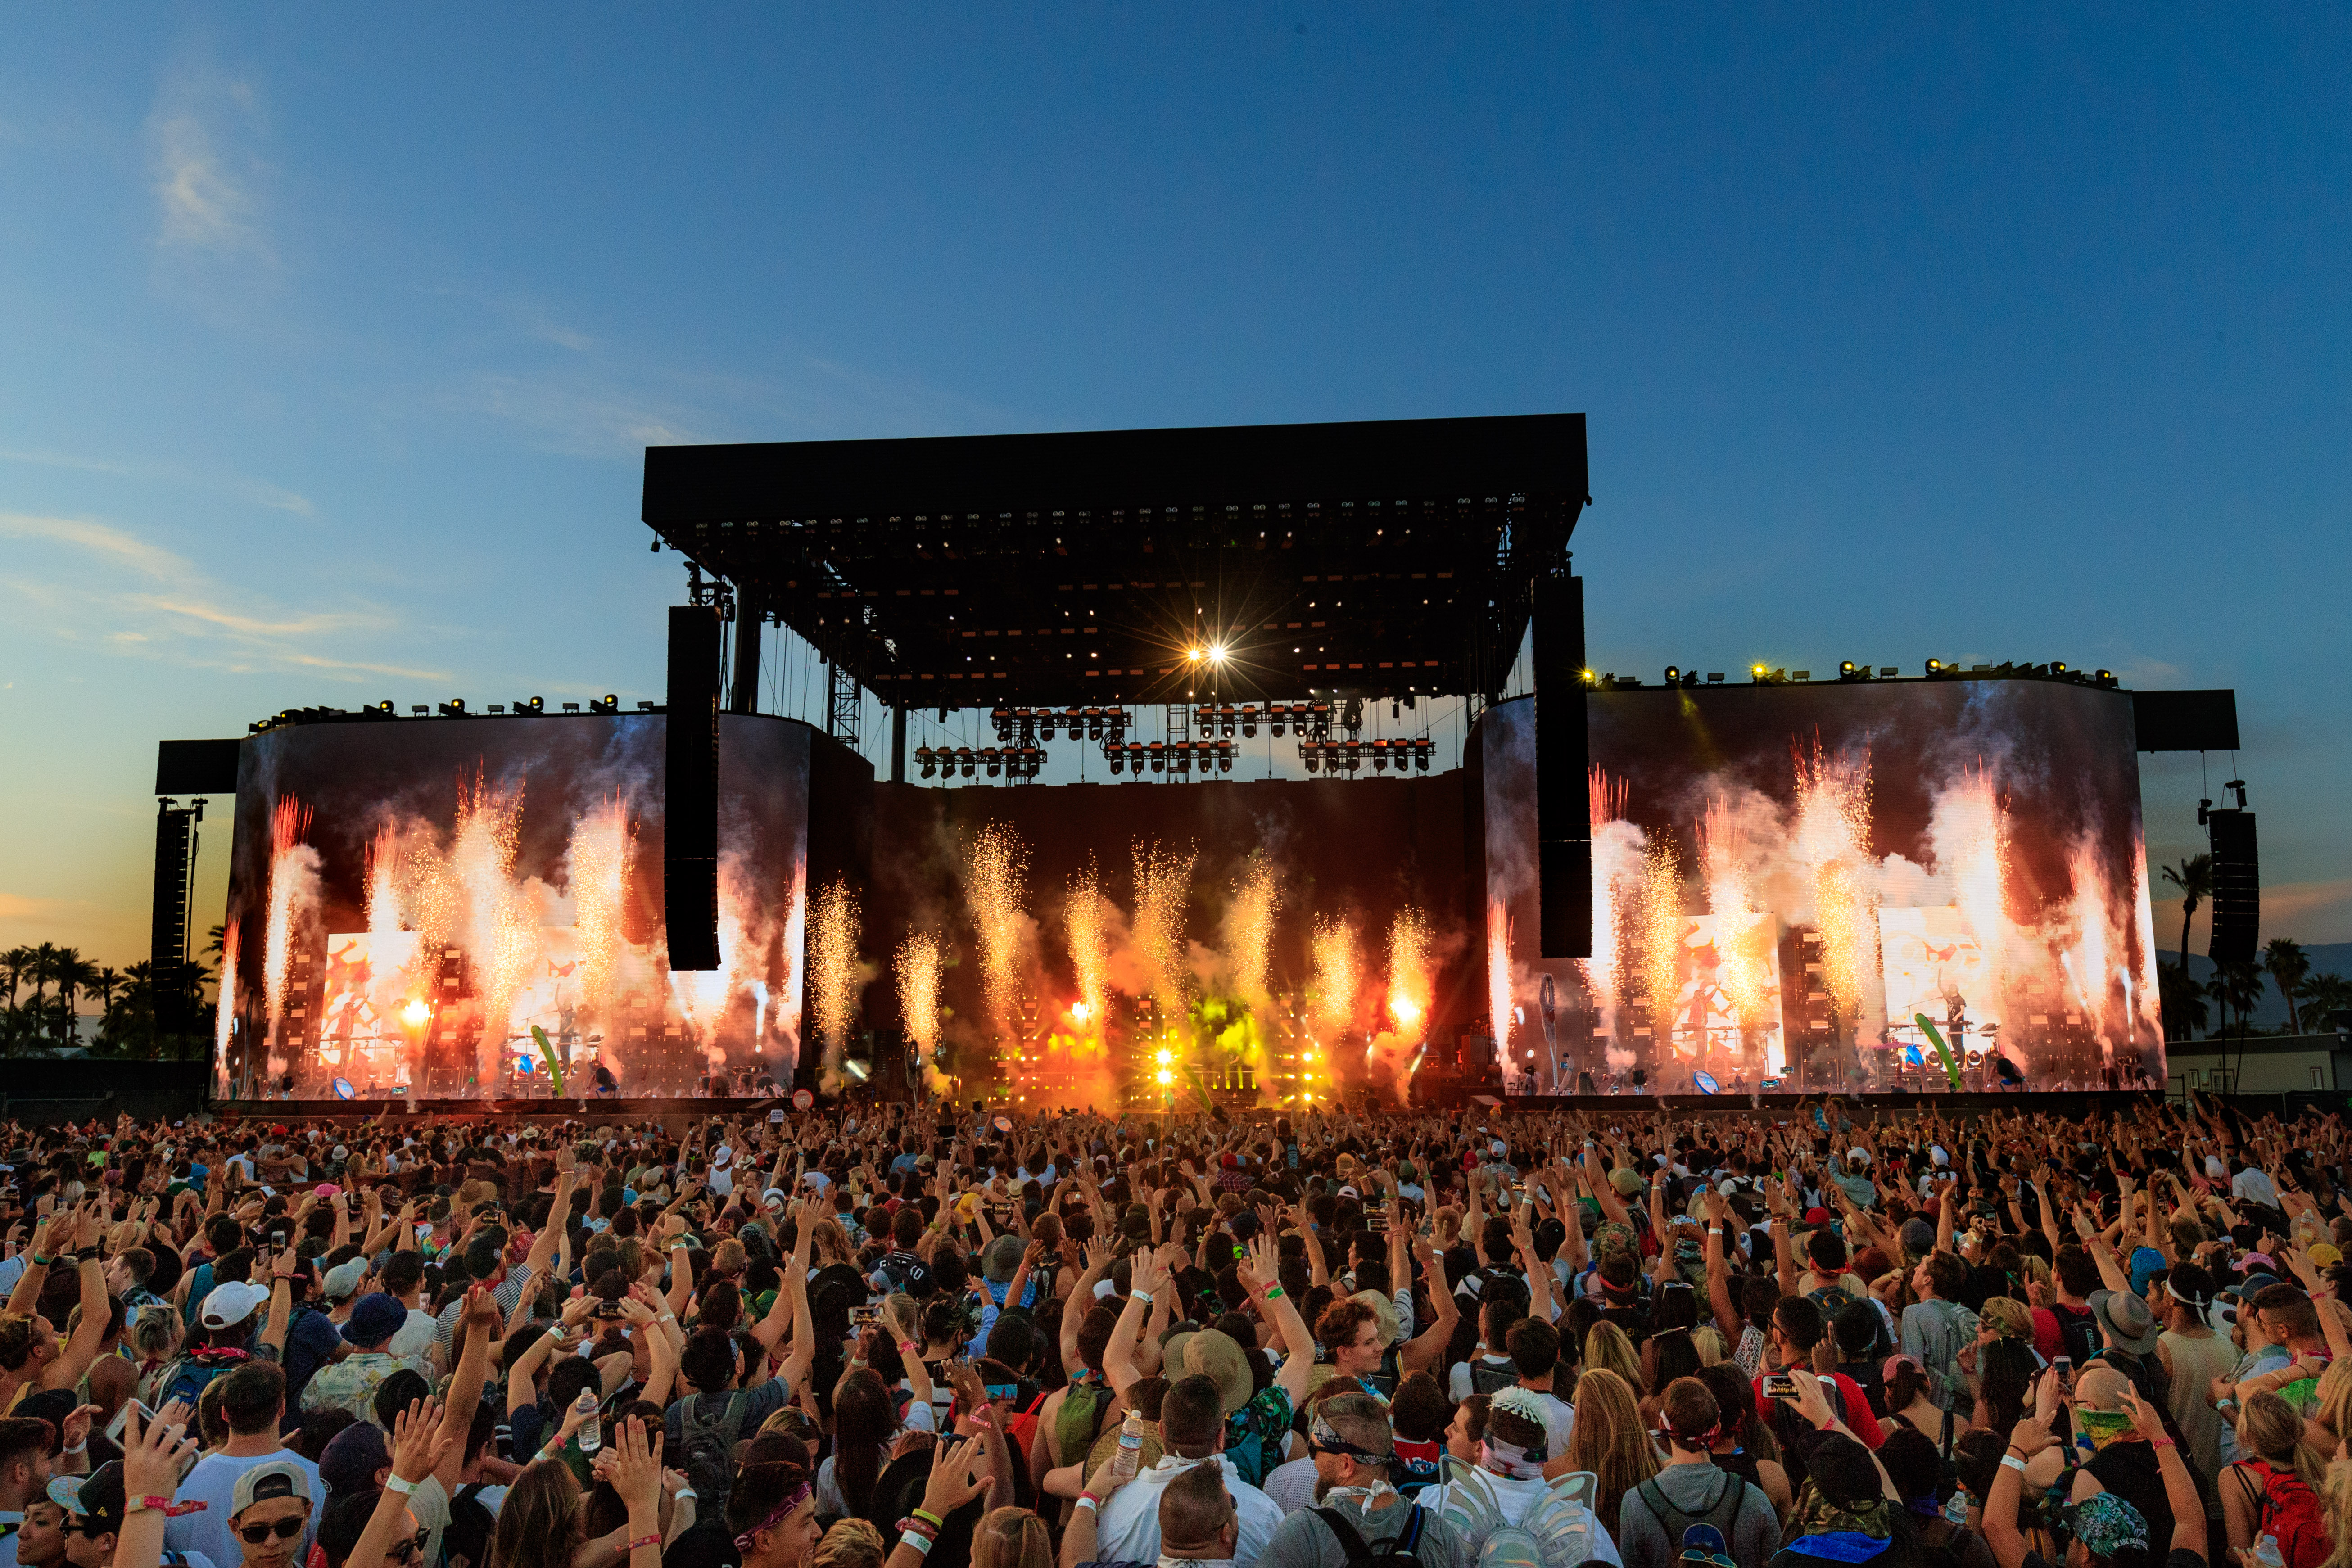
(1214, 1354)
(1002, 1259)
(231, 1304)
(2126, 1321)
(1627, 1181)
(1385, 1312)
(1107, 1445)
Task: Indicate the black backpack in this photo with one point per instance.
(466, 1538)
(710, 1444)
(1723, 1512)
(1396, 1551)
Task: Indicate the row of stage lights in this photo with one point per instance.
(1005, 762)
(1300, 716)
(1091, 723)
(1202, 757)
(1849, 671)
(1336, 756)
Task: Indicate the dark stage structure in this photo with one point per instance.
(1619, 886)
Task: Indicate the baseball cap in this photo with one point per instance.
(271, 1479)
(97, 1497)
(375, 1319)
(343, 1279)
(231, 1304)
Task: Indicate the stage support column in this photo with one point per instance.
(745, 699)
(1563, 756)
(898, 745)
(690, 791)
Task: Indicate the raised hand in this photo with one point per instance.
(636, 1469)
(418, 1443)
(154, 1451)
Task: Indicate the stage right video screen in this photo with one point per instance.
(1841, 886)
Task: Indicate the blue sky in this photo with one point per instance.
(329, 340)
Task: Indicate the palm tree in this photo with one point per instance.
(17, 967)
(2183, 1000)
(2327, 994)
(72, 975)
(2288, 966)
(108, 982)
(2239, 988)
(2194, 877)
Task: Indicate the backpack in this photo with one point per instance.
(2286, 1508)
(466, 1538)
(1492, 1380)
(709, 1444)
(1559, 1529)
(1396, 1551)
(1947, 1384)
(191, 1374)
(2078, 1334)
(1721, 1514)
(1023, 1427)
(1081, 1420)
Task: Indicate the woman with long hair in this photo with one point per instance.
(2269, 1434)
(2005, 1388)
(1664, 1357)
(1606, 1349)
(864, 1420)
(539, 1524)
(1908, 1404)
(1610, 1438)
(1743, 1445)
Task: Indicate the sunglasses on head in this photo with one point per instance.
(283, 1529)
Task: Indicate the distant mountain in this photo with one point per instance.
(2326, 958)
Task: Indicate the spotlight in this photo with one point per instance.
(1249, 718)
(924, 757)
(995, 758)
(1935, 667)
(1225, 716)
(1673, 675)
(1379, 756)
(1117, 764)
(964, 758)
(1158, 754)
(1847, 671)
(1589, 678)
(1192, 654)
(2104, 678)
(1307, 758)
(1216, 653)
(1274, 713)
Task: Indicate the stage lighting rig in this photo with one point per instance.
(966, 761)
(1422, 749)
(1311, 756)
(1118, 762)
(1274, 716)
(1157, 751)
(1379, 756)
(1351, 716)
(928, 760)
(994, 760)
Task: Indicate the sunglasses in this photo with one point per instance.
(410, 1550)
(282, 1529)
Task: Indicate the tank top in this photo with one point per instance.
(2197, 1360)
(1741, 1463)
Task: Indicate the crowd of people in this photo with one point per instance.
(903, 1337)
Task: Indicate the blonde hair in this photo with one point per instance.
(1606, 1349)
(1012, 1538)
(1610, 1439)
(2010, 1318)
(1711, 1346)
(850, 1543)
(2334, 1409)
(2269, 1429)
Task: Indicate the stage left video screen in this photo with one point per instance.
(471, 909)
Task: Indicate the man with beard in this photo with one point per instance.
(1357, 1513)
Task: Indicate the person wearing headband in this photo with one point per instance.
(1359, 1513)
(771, 1512)
(2194, 1355)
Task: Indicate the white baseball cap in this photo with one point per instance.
(231, 1304)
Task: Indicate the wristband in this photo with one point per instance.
(653, 1540)
(909, 1347)
(2012, 1462)
(1142, 1296)
(1273, 1292)
(140, 1504)
(41, 1262)
(684, 1492)
(934, 1521)
(919, 1541)
(1089, 1500)
(2152, 1442)
(80, 1448)
(400, 1484)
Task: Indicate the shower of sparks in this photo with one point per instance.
(1602, 973)
(232, 944)
(1412, 985)
(430, 900)
(1335, 977)
(384, 880)
(293, 881)
(995, 863)
(2092, 968)
(1498, 974)
(918, 991)
(2148, 1006)
(1249, 928)
(600, 888)
(1979, 869)
(833, 964)
(1085, 916)
(1163, 881)
(501, 930)
(1659, 933)
(1742, 933)
(1833, 838)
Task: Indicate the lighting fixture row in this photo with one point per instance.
(1007, 762)
(1215, 718)
(1849, 671)
(1172, 756)
(1335, 756)
(1094, 723)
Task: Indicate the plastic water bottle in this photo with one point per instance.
(2266, 1552)
(591, 1435)
(1130, 1457)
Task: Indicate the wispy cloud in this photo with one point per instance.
(578, 414)
(110, 589)
(206, 173)
(2308, 911)
(260, 493)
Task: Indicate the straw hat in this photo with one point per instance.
(1213, 1353)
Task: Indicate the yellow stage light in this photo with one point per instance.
(1164, 1076)
(415, 1013)
(1216, 653)
(1166, 1056)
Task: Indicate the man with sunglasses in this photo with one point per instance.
(94, 1507)
(269, 1514)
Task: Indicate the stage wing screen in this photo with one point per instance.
(1859, 887)
(408, 899)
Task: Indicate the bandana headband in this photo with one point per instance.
(1508, 1459)
(1325, 1436)
(793, 1499)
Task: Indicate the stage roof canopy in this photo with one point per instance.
(1090, 567)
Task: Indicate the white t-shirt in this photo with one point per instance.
(414, 1340)
(212, 1482)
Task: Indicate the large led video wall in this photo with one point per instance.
(1868, 884)
(410, 899)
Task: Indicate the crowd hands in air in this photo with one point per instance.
(916, 1338)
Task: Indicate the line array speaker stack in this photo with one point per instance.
(2237, 886)
(1563, 756)
(690, 791)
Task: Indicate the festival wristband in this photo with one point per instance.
(2012, 1462)
(909, 1347)
(934, 1521)
(653, 1540)
(919, 1541)
(1273, 1292)
(1088, 1500)
(41, 1262)
(400, 1484)
(1142, 1296)
(2162, 1443)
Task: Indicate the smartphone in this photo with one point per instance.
(607, 1311)
(1780, 1385)
(861, 1315)
(1377, 1221)
(2064, 1365)
(121, 1422)
(276, 1238)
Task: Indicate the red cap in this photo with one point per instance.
(1817, 1217)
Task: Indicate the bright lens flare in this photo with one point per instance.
(414, 1013)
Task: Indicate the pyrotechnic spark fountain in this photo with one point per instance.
(1743, 934)
(1163, 880)
(231, 943)
(2149, 1007)
(2091, 971)
(918, 1004)
(384, 880)
(1334, 1006)
(1833, 838)
(600, 889)
(1249, 929)
(293, 886)
(1084, 916)
(1615, 852)
(1972, 831)
(1411, 983)
(501, 929)
(993, 865)
(1659, 935)
(833, 969)
(1498, 974)
(430, 900)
